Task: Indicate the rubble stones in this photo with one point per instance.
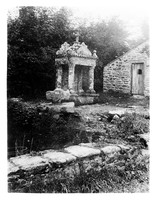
(116, 117)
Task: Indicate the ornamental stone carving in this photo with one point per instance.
(77, 49)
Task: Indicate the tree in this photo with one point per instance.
(33, 39)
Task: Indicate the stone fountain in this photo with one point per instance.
(75, 66)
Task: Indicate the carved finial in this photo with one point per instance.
(77, 36)
(94, 54)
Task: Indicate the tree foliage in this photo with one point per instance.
(33, 39)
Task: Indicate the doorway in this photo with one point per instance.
(138, 78)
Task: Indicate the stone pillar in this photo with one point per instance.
(71, 77)
(91, 80)
(80, 90)
(59, 77)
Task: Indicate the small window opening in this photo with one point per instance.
(139, 71)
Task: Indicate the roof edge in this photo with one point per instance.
(127, 52)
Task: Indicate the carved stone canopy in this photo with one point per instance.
(75, 67)
(77, 49)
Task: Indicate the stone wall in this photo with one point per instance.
(71, 161)
(146, 81)
(117, 74)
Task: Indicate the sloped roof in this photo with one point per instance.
(142, 44)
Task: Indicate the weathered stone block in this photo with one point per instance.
(59, 157)
(68, 107)
(58, 95)
(110, 149)
(117, 112)
(84, 99)
(81, 152)
(27, 162)
(12, 168)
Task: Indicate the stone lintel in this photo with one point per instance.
(76, 60)
(83, 61)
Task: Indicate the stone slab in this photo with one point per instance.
(27, 162)
(84, 99)
(118, 112)
(12, 168)
(110, 149)
(81, 152)
(138, 96)
(68, 107)
(58, 95)
(59, 157)
(90, 144)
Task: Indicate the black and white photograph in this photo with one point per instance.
(78, 98)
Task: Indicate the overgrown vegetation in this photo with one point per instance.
(35, 128)
(32, 127)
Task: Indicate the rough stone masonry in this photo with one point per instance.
(117, 75)
(68, 160)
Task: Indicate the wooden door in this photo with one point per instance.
(138, 78)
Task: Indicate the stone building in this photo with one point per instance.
(129, 73)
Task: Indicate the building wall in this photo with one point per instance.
(117, 74)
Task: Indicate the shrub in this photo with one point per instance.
(36, 128)
(128, 127)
